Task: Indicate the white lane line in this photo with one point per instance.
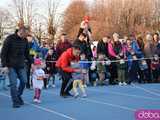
(155, 90)
(108, 104)
(45, 109)
(124, 94)
(100, 102)
(148, 91)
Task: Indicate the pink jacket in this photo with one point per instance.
(111, 50)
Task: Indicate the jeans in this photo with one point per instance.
(15, 74)
(3, 80)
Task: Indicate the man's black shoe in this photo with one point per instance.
(68, 94)
(64, 95)
(21, 102)
(16, 106)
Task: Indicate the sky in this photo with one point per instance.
(65, 3)
(41, 4)
(5, 3)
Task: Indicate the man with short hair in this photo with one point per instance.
(64, 65)
(63, 44)
(13, 55)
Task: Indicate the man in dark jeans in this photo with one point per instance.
(13, 55)
(65, 69)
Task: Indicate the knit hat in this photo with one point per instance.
(86, 19)
(37, 61)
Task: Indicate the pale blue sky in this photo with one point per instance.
(5, 3)
(41, 4)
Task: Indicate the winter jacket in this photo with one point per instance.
(65, 60)
(44, 51)
(34, 47)
(62, 46)
(111, 51)
(157, 50)
(15, 51)
(84, 47)
(102, 48)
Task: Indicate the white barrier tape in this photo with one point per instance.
(112, 61)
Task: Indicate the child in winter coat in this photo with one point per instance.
(85, 66)
(37, 79)
(133, 68)
(144, 76)
(77, 78)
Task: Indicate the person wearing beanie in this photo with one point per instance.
(38, 76)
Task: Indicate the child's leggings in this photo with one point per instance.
(37, 93)
(80, 84)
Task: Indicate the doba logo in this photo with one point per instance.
(147, 115)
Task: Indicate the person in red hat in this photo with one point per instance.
(85, 27)
(85, 44)
(37, 79)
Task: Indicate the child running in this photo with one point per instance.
(37, 79)
(78, 80)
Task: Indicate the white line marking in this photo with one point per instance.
(100, 102)
(108, 104)
(45, 109)
(156, 90)
(124, 94)
(148, 91)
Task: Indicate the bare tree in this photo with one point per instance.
(6, 22)
(124, 16)
(39, 27)
(24, 11)
(53, 19)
